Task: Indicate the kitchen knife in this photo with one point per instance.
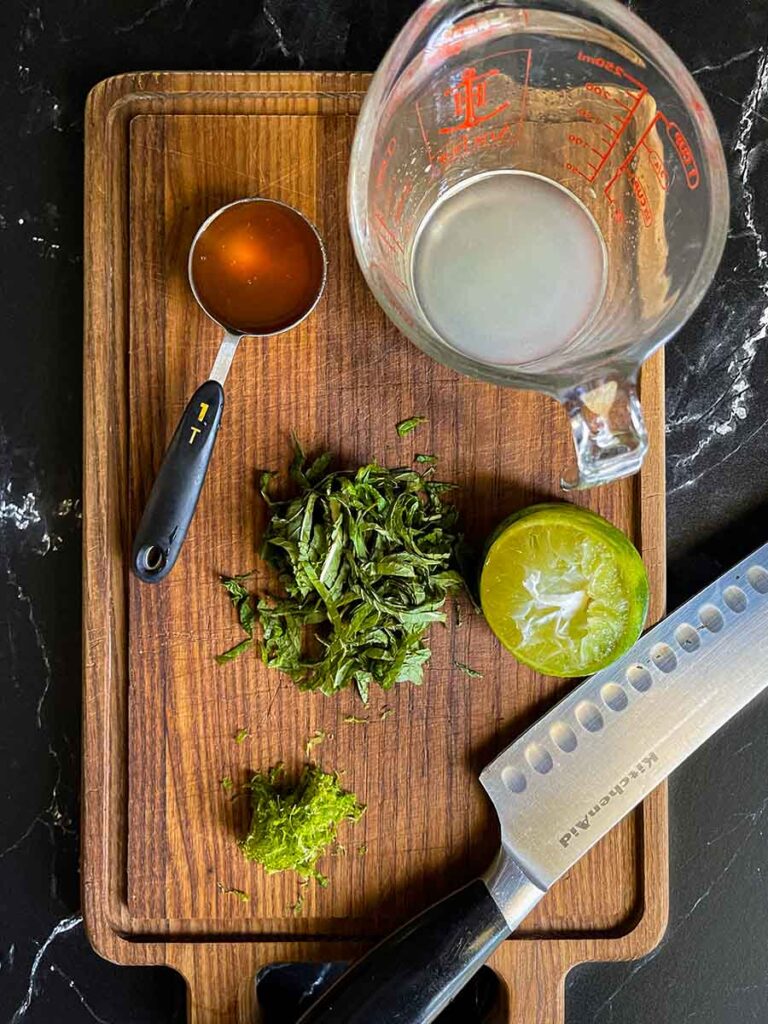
(564, 783)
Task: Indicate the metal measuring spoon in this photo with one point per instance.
(257, 267)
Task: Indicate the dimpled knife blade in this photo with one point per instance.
(583, 766)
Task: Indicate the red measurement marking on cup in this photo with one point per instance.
(423, 131)
(391, 198)
(385, 234)
(657, 165)
(390, 275)
(497, 137)
(615, 126)
(603, 92)
(392, 284)
(685, 153)
(526, 78)
(682, 148)
(389, 152)
(468, 34)
(399, 204)
(643, 202)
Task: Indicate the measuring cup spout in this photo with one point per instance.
(608, 431)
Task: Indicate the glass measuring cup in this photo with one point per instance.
(538, 198)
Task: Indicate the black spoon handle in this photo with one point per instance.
(415, 972)
(174, 494)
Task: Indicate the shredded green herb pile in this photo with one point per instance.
(291, 826)
(365, 559)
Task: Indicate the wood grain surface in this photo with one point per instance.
(163, 151)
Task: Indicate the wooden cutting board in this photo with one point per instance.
(163, 151)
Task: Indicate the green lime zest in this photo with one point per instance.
(292, 825)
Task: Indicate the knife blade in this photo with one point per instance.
(566, 782)
(583, 766)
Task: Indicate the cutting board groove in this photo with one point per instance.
(163, 151)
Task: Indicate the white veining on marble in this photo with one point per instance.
(745, 746)
(67, 924)
(44, 109)
(735, 59)
(688, 480)
(22, 838)
(709, 889)
(149, 13)
(42, 231)
(269, 15)
(30, 525)
(607, 1003)
(23, 513)
(32, 28)
(48, 249)
(732, 406)
(752, 819)
(42, 647)
(69, 507)
(55, 969)
(56, 817)
(318, 982)
(705, 1015)
(51, 817)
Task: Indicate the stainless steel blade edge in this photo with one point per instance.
(599, 752)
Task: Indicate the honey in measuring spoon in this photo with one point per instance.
(257, 268)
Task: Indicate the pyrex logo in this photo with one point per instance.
(470, 100)
(584, 824)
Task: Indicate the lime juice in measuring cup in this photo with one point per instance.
(538, 198)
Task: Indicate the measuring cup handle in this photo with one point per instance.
(608, 431)
(177, 486)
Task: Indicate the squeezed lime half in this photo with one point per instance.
(563, 589)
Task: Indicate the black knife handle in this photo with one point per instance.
(174, 494)
(415, 972)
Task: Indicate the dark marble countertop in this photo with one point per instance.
(712, 965)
